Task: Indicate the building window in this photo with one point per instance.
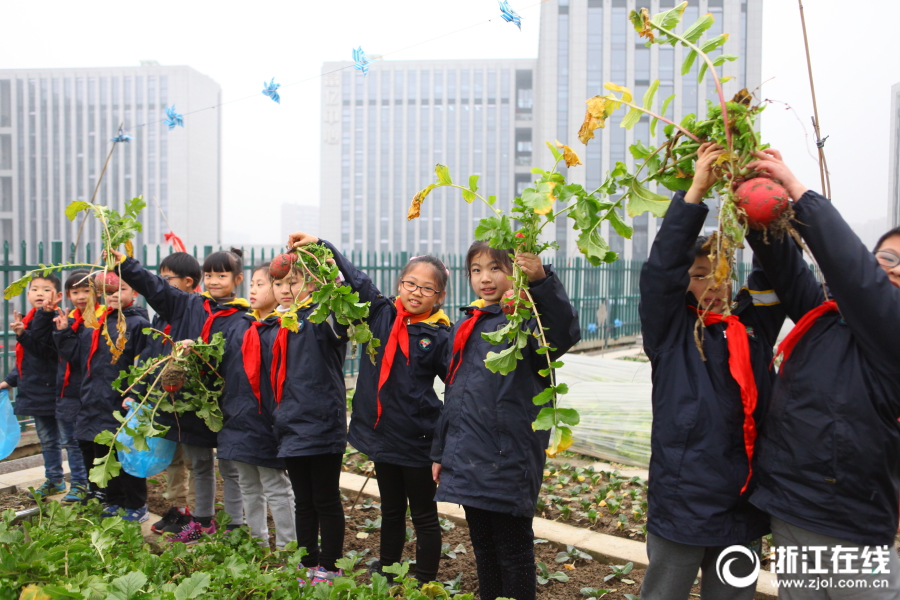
(523, 146)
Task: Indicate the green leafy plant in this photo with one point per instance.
(446, 551)
(572, 554)
(316, 263)
(371, 526)
(520, 230)
(544, 576)
(446, 524)
(194, 365)
(729, 123)
(594, 593)
(620, 571)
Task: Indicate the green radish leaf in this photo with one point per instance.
(688, 62)
(713, 43)
(696, 31)
(662, 113)
(503, 362)
(650, 94)
(620, 226)
(545, 419)
(76, 207)
(641, 200)
(631, 118)
(544, 397)
(18, 286)
(669, 19)
(193, 586)
(569, 416)
(443, 174)
(473, 183)
(127, 586)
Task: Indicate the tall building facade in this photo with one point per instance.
(55, 130)
(894, 164)
(586, 43)
(383, 133)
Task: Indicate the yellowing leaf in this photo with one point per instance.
(641, 22)
(129, 248)
(602, 503)
(627, 96)
(726, 79)
(416, 206)
(567, 566)
(540, 198)
(443, 174)
(560, 439)
(725, 157)
(594, 118)
(568, 155)
(362, 535)
(33, 592)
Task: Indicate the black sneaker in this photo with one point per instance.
(173, 521)
(376, 567)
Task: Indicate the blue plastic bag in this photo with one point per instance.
(143, 463)
(9, 426)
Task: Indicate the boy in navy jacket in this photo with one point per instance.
(706, 408)
(35, 377)
(829, 454)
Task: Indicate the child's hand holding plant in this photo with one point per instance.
(704, 174)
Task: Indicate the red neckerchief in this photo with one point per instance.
(279, 362)
(459, 342)
(79, 319)
(20, 350)
(803, 325)
(742, 370)
(207, 326)
(250, 351)
(95, 338)
(399, 338)
(168, 331)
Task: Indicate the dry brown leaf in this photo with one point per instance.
(595, 117)
(90, 311)
(743, 97)
(129, 248)
(642, 20)
(568, 155)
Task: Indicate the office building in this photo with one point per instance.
(298, 217)
(55, 130)
(383, 133)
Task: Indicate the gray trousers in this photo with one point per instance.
(673, 568)
(231, 490)
(835, 583)
(203, 473)
(262, 486)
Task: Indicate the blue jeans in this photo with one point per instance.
(56, 434)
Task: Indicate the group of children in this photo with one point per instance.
(285, 427)
(811, 453)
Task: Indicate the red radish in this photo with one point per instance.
(763, 200)
(172, 378)
(108, 280)
(508, 301)
(281, 265)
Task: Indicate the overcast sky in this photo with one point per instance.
(270, 152)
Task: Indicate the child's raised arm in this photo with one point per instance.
(168, 302)
(361, 283)
(558, 316)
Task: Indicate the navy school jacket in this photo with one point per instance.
(410, 406)
(491, 458)
(311, 417)
(99, 400)
(186, 314)
(698, 462)
(36, 384)
(68, 394)
(829, 457)
(247, 433)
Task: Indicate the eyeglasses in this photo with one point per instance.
(171, 277)
(887, 258)
(409, 286)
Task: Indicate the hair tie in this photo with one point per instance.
(446, 270)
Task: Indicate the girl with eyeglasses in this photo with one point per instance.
(395, 407)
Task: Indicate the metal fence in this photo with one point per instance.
(606, 297)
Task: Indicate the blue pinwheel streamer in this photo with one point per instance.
(121, 137)
(173, 118)
(509, 15)
(360, 60)
(271, 90)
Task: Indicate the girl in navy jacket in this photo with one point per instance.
(189, 316)
(248, 406)
(310, 417)
(395, 407)
(486, 455)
